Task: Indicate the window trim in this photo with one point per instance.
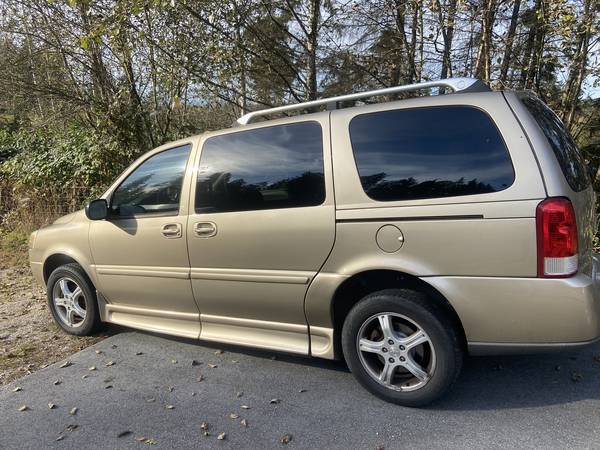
(389, 202)
(245, 129)
(129, 171)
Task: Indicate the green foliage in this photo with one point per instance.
(60, 160)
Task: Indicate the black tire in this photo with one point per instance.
(74, 272)
(433, 319)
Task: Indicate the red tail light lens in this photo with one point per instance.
(556, 238)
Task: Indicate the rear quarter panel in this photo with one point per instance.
(490, 235)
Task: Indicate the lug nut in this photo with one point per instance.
(391, 360)
(402, 347)
(402, 359)
(391, 342)
(384, 350)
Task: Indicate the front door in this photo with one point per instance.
(261, 225)
(140, 251)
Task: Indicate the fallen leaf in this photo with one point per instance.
(92, 368)
(174, 361)
(71, 428)
(221, 436)
(286, 439)
(146, 440)
(151, 399)
(212, 366)
(110, 363)
(245, 407)
(195, 363)
(57, 382)
(99, 352)
(59, 438)
(239, 394)
(24, 408)
(139, 353)
(66, 364)
(83, 377)
(17, 389)
(274, 401)
(204, 426)
(193, 394)
(218, 352)
(200, 378)
(234, 361)
(108, 386)
(124, 433)
(169, 407)
(234, 416)
(170, 388)
(113, 346)
(73, 411)
(302, 390)
(51, 405)
(244, 423)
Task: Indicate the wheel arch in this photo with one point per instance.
(357, 286)
(57, 259)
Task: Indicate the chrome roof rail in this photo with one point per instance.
(456, 84)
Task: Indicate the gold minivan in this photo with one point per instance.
(401, 236)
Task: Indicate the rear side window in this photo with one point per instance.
(421, 153)
(570, 160)
(266, 168)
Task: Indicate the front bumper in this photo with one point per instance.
(518, 315)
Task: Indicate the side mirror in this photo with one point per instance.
(96, 209)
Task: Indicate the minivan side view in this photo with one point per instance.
(400, 236)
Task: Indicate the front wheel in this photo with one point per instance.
(72, 300)
(402, 347)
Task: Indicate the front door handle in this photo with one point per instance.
(205, 229)
(171, 230)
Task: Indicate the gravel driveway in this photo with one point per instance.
(137, 390)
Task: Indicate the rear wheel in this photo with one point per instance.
(72, 300)
(402, 347)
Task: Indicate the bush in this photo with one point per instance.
(44, 174)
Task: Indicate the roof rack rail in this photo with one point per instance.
(456, 84)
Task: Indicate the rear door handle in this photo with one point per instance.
(171, 230)
(205, 229)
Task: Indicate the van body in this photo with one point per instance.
(399, 235)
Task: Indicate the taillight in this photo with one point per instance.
(556, 238)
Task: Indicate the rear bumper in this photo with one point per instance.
(525, 315)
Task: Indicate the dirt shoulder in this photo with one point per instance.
(29, 338)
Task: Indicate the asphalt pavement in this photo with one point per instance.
(138, 390)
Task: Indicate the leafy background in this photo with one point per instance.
(87, 86)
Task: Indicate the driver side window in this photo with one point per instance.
(154, 187)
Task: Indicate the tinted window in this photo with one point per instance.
(421, 153)
(154, 187)
(266, 168)
(565, 149)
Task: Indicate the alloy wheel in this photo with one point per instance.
(395, 351)
(69, 302)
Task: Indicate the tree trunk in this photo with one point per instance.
(535, 60)
(314, 14)
(510, 38)
(578, 65)
(447, 35)
(483, 64)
